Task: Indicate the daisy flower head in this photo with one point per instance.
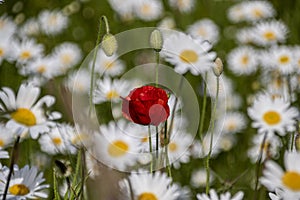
(242, 60)
(272, 114)
(204, 147)
(109, 89)
(7, 27)
(148, 10)
(43, 67)
(124, 8)
(258, 10)
(26, 50)
(198, 178)
(225, 86)
(270, 149)
(57, 141)
(79, 81)
(236, 13)
(167, 23)
(275, 178)
(52, 22)
(188, 54)
(205, 29)
(157, 186)
(24, 110)
(115, 148)
(269, 32)
(30, 28)
(108, 65)
(279, 58)
(296, 52)
(224, 196)
(184, 6)
(6, 136)
(245, 36)
(25, 183)
(231, 122)
(67, 55)
(5, 49)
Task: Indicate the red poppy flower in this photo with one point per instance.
(146, 105)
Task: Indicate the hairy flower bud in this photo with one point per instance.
(156, 40)
(218, 67)
(109, 44)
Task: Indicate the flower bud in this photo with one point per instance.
(109, 44)
(218, 67)
(156, 40)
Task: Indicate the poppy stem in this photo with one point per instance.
(11, 167)
(157, 138)
(156, 68)
(211, 136)
(201, 126)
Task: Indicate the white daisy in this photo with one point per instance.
(231, 122)
(79, 81)
(30, 28)
(52, 22)
(6, 136)
(271, 114)
(93, 166)
(25, 183)
(123, 7)
(224, 196)
(3, 155)
(233, 101)
(226, 142)
(205, 145)
(269, 150)
(67, 55)
(26, 50)
(167, 23)
(258, 10)
(296, 52)
(7, 27)
(148, 10)
(184, 6)
(5, 49)
(157, 186)
(58, 140)
(205, 29)
(245, 36)
(187, 53)
(279, 58)
(110, 66)
(269, 33)
(110, 90)
(44, 67)
(288, 180)
(242, 60)
(283, 195)
(25, 111)
(114, 148)
(225, 86)
(198, 178)
(236, 13)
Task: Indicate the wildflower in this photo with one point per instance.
(44, 67)
(231, 122)
(25, 111)
(148, 10)
(30, 28)
(288, 180)
(198, 178)
(124, 8)
(3, 155)
(272, 115)
(149, 186)
(6, 136)
(79, 81)
(188, 54)
(146, 105)
(206, 29)
(184, 6)
(224, 196)
(243, 60)
(7, 27)
(25, 183)
(52, 22)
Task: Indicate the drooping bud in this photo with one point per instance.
(156, 40)
(109, 44)
(218, 67)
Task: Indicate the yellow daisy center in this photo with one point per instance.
(1, 52)
(202, 32)
(144, 139)
(272, 117)
(269, 35)
(19, 190)
(284, 59)
(41, 69)
(1, 143)
(231, 126)
(24, 116)
(53, 20)
(147, 196)
(173, 146)
(291, 179)
(146, 9)
(118, 148)
(188, 56)
(257, 12)
(66, 58)
(25, 55)
(112, 94)
(245, 60)
(57, 140)
(109, 65)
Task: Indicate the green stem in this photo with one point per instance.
(211, 137)
(157, 139)
(203, 108)
(293, 141)
(104, 19)
(166, 143)
(156, 68)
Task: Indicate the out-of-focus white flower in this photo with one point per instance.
(224, 196)
(52, 22)
(148, 10)
(184, 6)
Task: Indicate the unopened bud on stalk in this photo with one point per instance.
(218, 67)
(109, 44)
(156, 40)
